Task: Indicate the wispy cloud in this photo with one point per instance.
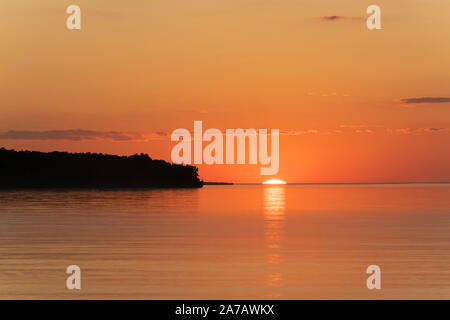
(336, 18)
(425, 100)
(333, 94)
(92, 135)
(79, 135)
(298, 132)
(418, 130)
(365, 129)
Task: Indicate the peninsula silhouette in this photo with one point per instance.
(32, 169)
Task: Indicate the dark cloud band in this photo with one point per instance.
(74, 135)
(425, 100)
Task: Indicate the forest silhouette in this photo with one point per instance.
(32, 169)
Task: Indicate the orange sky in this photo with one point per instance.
(146, 68)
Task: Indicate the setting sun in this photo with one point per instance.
(274, 181)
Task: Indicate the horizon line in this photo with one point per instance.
(334, 183)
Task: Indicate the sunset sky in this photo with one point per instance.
(352, 105)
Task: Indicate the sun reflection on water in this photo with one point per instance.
(274, 220)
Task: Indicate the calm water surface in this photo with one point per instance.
(286, 242)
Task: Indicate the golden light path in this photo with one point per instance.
(274, 181)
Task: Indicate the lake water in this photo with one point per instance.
(230, 242)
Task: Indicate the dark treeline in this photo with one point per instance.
(31, 169)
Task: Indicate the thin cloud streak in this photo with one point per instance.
(418, 130)
(337, 18)
(425, 100)
(91, 135)
(80, 135)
